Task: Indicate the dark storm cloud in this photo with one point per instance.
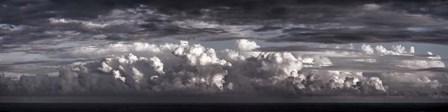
(364, 36)
(385, 21)
(379, 68)
(435, 69)
(28, 11)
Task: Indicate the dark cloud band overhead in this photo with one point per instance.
(383, 21)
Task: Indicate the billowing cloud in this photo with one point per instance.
(184, 68)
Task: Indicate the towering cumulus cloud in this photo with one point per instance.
(184, 68)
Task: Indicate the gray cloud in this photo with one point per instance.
(382, 22)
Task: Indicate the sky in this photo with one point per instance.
(388, 50)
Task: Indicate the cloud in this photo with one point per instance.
(184, 68)
(9, 27)
(130, 67)
(84, 23)
(337, 24)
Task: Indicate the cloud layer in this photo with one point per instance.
(184, 68)
(285, 22)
